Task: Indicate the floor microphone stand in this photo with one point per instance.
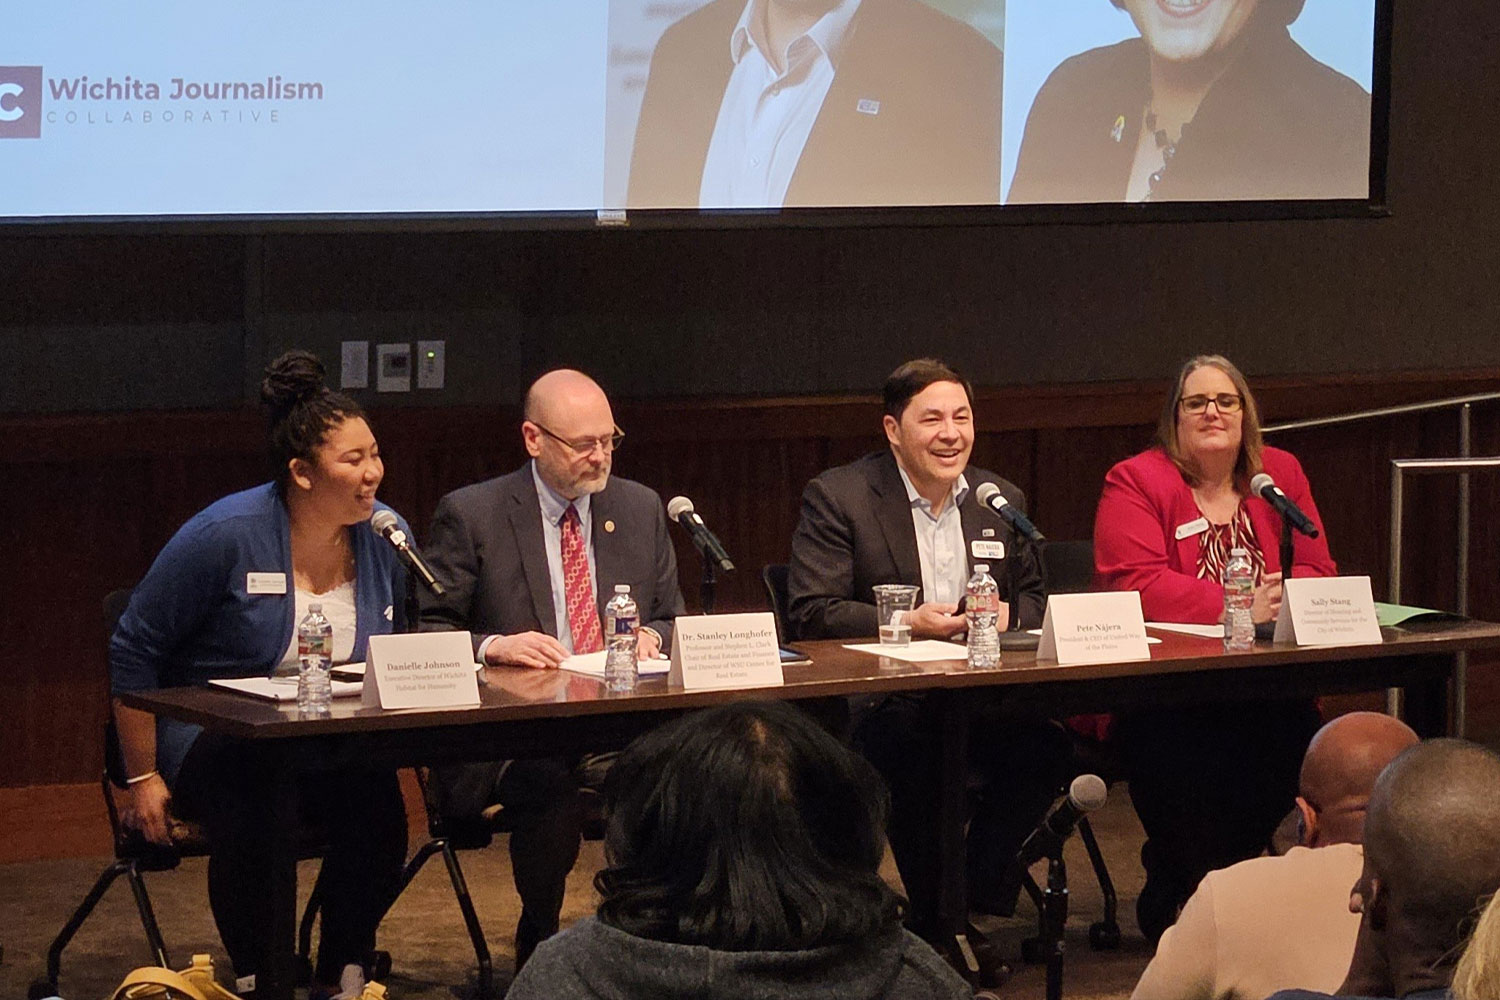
(1014, 637)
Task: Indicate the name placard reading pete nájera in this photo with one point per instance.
(1094, 628)
(725, 651)
(420, 670)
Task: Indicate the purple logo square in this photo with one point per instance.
(20, 102)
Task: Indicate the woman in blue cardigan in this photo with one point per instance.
(222, 600)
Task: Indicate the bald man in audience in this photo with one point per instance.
(1432, 860)
(1276, 923)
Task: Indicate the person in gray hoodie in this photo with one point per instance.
(742, 852)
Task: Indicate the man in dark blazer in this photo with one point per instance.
(529, 560)
(912, 115)
(909, 515)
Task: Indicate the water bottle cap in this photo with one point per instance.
(981, 567)
(1239, 551)
(622, 588)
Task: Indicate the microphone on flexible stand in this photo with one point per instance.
(1265, 487)
(386, 526)
(680, 509)
(988, 494)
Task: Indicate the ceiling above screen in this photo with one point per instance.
(685, 112)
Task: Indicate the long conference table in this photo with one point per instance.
(530, 713)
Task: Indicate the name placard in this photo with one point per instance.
(1327, 611)
(725, 651)
(1094, 628)
(420, 670)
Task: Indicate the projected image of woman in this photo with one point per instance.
(1214, 101)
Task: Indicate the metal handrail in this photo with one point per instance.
(1418, 466)
(1385, 411)
(1462, 464)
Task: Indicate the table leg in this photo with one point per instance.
(1427, 704)
(279, 980)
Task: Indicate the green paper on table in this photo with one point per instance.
(1389, 615)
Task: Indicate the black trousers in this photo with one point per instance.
(1017, 768)
(360, 817)
(545, 818)
(1210, 784)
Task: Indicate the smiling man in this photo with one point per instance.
(908, 514)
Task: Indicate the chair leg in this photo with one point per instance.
(471, 921)
(148, 917)
(101, 885)
(305, 929)
(1105, 934)
(419, 859)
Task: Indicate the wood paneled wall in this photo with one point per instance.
(89, 500)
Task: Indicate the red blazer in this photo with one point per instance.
(1144, 501)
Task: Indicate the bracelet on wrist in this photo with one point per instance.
(130, 782)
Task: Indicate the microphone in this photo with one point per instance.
(385, 525)
(1265, 487)
(680, 509)
(989, 494)
(1085, 794)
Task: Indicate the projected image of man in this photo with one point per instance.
(768, 103)
(1214, 101)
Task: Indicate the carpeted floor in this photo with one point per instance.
(432, 958)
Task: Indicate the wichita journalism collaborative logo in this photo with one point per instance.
(20, 102)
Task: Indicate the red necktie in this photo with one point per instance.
(583, 614)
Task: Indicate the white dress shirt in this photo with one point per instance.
(766, 116)
(940, 542)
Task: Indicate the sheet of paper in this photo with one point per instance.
(920, 651)
(1202, 631)
(264, 687)
(593, 665)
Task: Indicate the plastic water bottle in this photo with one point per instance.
(314, 660)
(622, 634)
(982, 609)
(1239, 597)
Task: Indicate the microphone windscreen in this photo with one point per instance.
(987, 491)
(1260, 482)
(678, 506)
(383, 521)
(1088, 792)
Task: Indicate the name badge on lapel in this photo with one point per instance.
(1192, 528)
(265, 583)
(987, 550)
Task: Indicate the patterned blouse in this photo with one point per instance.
(1220, 539)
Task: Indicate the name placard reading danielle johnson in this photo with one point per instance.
(420, 670)
(1094, 628)
(725, 651)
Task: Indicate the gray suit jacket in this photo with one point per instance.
(856, 531)
(485, 546)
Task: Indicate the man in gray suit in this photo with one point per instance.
(908, 514)
(529, 560)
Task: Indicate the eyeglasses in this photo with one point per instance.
(586, 446)
(1227, 402)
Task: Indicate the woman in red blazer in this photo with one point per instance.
(1211, 782)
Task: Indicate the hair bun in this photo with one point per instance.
(291, 378)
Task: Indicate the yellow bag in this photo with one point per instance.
(196, 982)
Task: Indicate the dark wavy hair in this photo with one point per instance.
(1289, 10)
(914, 376)
(301, 410)
(745, 827)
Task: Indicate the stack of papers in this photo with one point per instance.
(593, 665)
(269, 690)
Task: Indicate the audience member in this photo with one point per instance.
(1432, 857)
(1275, 923)
(1477, 976)
(742, 854)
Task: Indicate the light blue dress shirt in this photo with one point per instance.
(940, 542)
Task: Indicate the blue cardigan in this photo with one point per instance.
(192, 618)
